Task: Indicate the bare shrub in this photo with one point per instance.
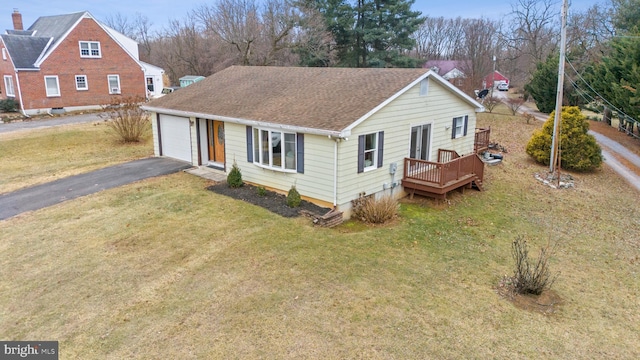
(514, 105)
(530, 276)
(490, 103)
(127, 119)
(375, 211)
(529, 118)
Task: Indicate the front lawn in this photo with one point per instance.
(164, 269)
(37, 156)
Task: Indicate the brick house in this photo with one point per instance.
(70, 62)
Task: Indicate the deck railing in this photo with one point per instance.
(481, 142)
(441, 173)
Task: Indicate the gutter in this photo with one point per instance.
(258, 123)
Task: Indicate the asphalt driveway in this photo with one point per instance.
(41, 196)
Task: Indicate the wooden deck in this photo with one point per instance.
(436, 179)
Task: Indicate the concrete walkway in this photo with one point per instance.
(41, 196)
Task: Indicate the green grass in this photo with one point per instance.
(38, 156)
(165, 269)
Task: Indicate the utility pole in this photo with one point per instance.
(553, 160)
(493, 75)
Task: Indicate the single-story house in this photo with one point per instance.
(335, 133)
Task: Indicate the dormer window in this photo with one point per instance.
(90, 49)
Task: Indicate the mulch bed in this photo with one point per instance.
(272, 201)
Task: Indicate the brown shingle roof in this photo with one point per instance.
(319, 98)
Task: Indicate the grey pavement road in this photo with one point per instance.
(48, 122)
(41, 196)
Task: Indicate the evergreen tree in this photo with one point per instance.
(371, 33)
(617, 76)
(578, 150)
(543, 87)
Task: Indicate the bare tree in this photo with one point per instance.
(533, 35)
(236, 22)
(480, 44)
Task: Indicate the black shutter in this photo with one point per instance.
(300, 153)
(380, 147)
(360, 153)
(249, 144)
(466, 121)
(453, 128)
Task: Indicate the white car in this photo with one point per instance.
(503, 87)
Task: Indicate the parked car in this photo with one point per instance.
(503, 87)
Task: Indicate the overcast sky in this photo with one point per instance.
(160, 11)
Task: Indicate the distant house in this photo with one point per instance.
(71, 62)
(190, 79)
(496, 78)
(450, 70)
(335, 133)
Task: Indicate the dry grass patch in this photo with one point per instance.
(165, 269)
(40, 155)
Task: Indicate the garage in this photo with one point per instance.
(175, 137)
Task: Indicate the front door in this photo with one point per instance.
(420, 142)
(215, 132)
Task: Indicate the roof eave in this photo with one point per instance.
(299, 129)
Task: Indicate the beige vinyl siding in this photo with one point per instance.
(315, 183)
(439, 108)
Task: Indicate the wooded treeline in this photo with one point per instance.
(388, 33)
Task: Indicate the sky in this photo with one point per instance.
(161, 11)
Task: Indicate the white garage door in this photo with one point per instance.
(175, 137)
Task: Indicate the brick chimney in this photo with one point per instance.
(17, 20)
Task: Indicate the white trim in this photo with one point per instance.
(4, 54)
(283, 156)
(111, 90)
(46, 86)
(375, 150)
(461, 127)
(90, 49)
(86, 83)
(6, 87)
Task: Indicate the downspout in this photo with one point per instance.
(20, 96)
(335, 173)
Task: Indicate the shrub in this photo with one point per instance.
(514, 105)
(293, 197)
(261, 191)
(530, 277)
(234, 179)
(129, 122)
(370, 210)
(8, 105)
(490, 103)
(578, 150)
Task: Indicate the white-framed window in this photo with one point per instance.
(114, 84)
(8, 86)
(370, 151)
(4, 54)
(90, 49)
(459, 127)
(370, 148)
(81, 82)
(275, 149)
(52, 85)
